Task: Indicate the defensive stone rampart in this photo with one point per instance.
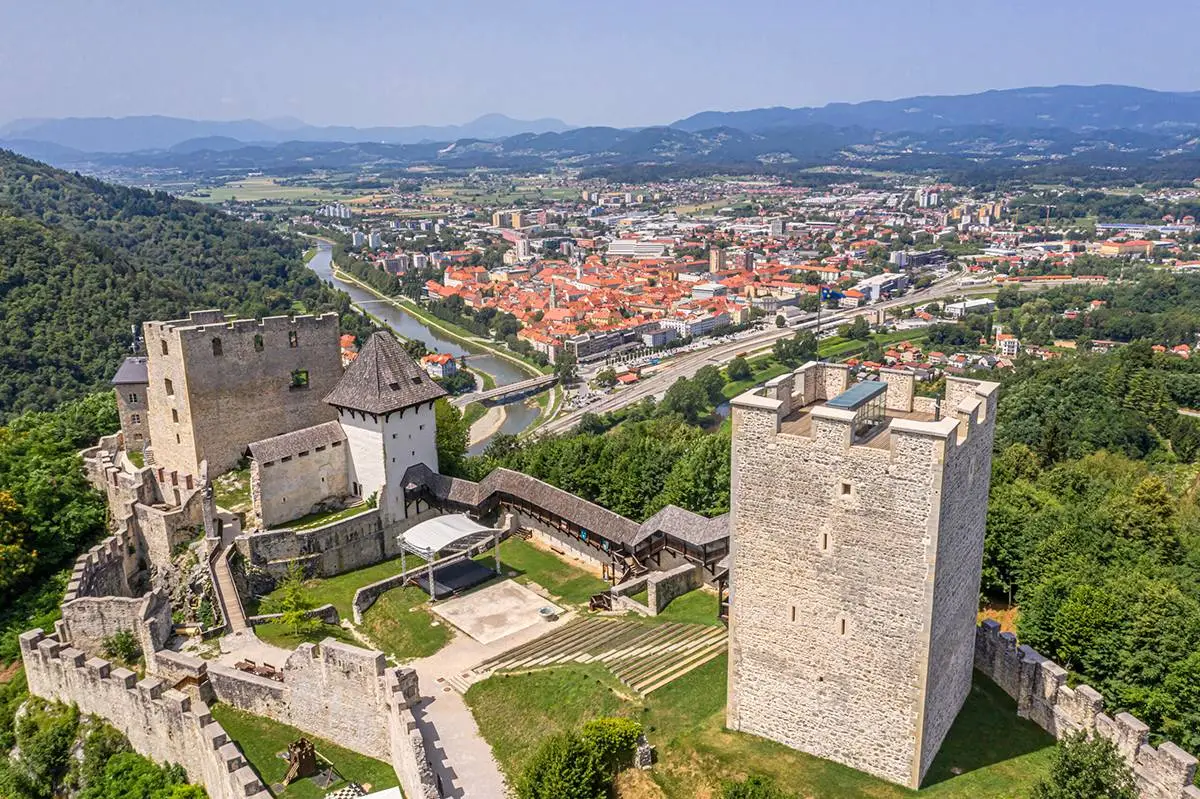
(1040, 688)
(342, 546)
(344, 694)
(87, 621)
(157, 508)
(662, 587)
(161, 723)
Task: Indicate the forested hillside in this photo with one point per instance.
(81, 261)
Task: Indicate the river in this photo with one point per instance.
(519, 414)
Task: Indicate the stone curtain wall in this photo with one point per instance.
(344, 694)
(1040, 688)
(88, 621)
(155, 508)
(662, 587)
(162, 724)
(361, 540)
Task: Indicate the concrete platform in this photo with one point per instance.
(494, 612)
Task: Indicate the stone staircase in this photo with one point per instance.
(643, 657)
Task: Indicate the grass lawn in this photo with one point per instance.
(312, 520)
(764, 370)
(260, 739)
(570, 583)
(401, 625)
(998, 754)
(275, 633)
(339, 591)
(138, 459)
(694, 607)
(231, 491)
(473, 413)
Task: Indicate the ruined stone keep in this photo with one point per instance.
(857, 526)
(215, 384)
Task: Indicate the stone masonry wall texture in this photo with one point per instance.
(161, 723)
(240, 390)
(1040, 688)
(836, 573)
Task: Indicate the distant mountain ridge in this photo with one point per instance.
(1075, 108)
(137, 133)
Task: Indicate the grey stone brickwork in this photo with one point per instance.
(853, 566)
(664, 586)
(361, 540)
(344, 694)
(1040, 688)
(216, 384)
(134, 412)
(295, 484)
(161, 723)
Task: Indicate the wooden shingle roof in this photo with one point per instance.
(383, 378)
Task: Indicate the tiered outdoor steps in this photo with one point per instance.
(641, 656)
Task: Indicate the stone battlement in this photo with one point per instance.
(99, 572)
(795, 406)
(215, 320)
(1040, 688)
(160, 722)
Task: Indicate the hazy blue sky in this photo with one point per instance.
(617, 62)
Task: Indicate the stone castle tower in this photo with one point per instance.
(857, 524)
(385, 403)
(214, 384)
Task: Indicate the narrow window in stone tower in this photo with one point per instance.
(169, 386)
(793, 612)
(845, 489)
(175, 415)
(842, 627)
(218, 350)
(164, 346)
(258, 342)
(293, 339)
(300, 378)
(133, 398)
(824, 542)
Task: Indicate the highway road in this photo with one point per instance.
(686, 365)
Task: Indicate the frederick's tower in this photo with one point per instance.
(857, 526)
(384, 402)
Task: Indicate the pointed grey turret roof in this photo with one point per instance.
(383, 378)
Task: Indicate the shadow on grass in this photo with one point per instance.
(986, 732)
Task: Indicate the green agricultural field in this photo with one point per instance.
(261, 740)
(989, 754)
(254, 189)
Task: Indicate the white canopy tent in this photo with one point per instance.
(456, 531)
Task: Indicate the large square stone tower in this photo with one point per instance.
(215, 384)
(857, 523)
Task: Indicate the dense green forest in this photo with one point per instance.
(82, 261)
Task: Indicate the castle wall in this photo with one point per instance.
(832, 582)
(88, 621)
(353, 543)
(344, 694)
(162, 724)
(288, 489)
(961, 525)
(1040, 688)
(662, 587)
(242, 389)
